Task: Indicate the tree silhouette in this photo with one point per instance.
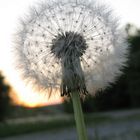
(133, 73)
(4, 98)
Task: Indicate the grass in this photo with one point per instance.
(28, 127)
(97, 119)
(10, 129)
(123, 136)
(59, 122)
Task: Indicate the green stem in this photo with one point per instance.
(79, 118)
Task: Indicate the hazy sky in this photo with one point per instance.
(11, 10)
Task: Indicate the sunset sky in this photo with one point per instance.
(11, 10)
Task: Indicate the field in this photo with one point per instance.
(118, 125)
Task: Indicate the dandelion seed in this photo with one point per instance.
(71, 46)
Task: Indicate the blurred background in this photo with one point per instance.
(110, 114)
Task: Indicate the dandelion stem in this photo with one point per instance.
(79, 118)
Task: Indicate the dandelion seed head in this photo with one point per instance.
(70, 45)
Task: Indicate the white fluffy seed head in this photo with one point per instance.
(100, 63)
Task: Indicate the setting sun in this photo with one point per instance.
(23, 95)
(30, 99)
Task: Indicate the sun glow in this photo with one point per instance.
(29, 99)
(26, 97)
(23, 95)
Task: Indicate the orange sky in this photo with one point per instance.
(33, 100)
(26, 97)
